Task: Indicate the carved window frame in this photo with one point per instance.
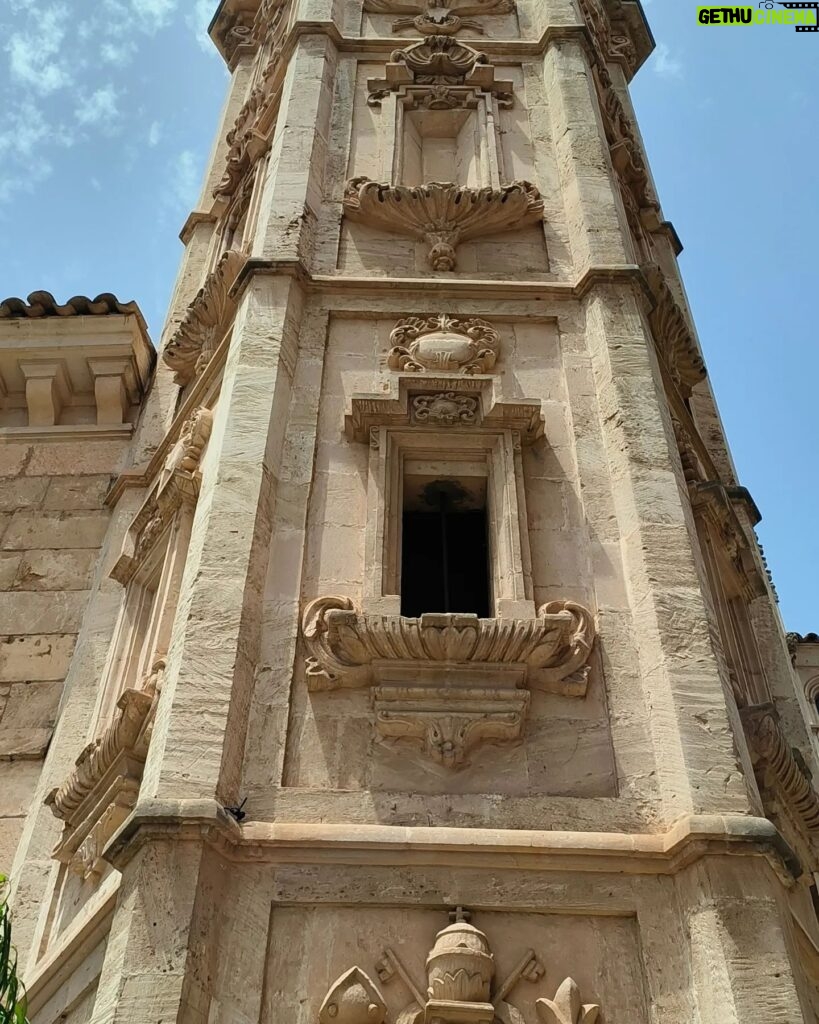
(391, 449)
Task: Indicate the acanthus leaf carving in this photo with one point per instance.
(444, 344)
(206, 322)
(567, 1007)
(442, 214)
(448, 681)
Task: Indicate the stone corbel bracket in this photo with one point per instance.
(178, 484)
(102, 790)
(443, 402)
(712, 500)
(777, 769)
(442, 214)
(676, 343)
(448, 681)
(207, 321)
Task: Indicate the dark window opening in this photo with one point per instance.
(816, 703)
(445, 550)
(814, 895)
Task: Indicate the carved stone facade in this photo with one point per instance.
(413, 577)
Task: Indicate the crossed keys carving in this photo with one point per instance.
(460, 990)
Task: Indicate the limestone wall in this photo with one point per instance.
(51, 530)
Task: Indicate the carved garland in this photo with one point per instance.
(462, 7)
(209, 315)
(442, 214)
(460, 987)
(674, 338)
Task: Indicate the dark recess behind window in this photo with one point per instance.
(445, 566)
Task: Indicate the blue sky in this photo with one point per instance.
(109, 113)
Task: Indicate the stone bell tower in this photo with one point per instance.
(431, 673)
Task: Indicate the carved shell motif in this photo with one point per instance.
(353, 999)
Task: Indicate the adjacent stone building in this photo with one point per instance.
(398, 648)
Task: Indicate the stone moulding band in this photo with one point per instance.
(442, 214)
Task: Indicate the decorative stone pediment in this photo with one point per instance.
(460, 987)
(207, 321)
(469, 401)
(102, 790)
(177, 484)
(780, 770)
(442, 214)
(444, 344)
(441, 67)
(673, 336)
(449, 682)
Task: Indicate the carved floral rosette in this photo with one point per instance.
(449, 682)
(444, 344)
(460, 987)
(442, 214)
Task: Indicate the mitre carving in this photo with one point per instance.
(460, 986)
(448, 682)
(442, 214)
(444, 344)
(206, 322)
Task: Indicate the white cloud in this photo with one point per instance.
(198, 19)
(34, 53)
(154, 133)
(183, 181)
(665, 63)
(99, 107)
(118, 54)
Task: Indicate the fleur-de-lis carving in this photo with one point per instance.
(353, 999)
(566, 1008)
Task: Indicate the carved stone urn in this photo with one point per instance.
(460, 968)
